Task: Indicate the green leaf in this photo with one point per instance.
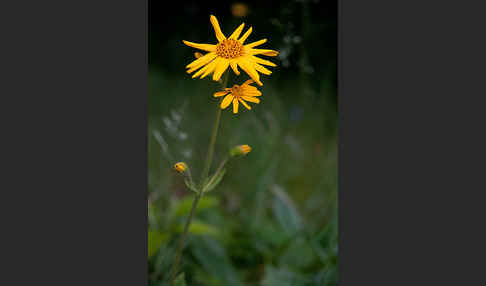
(298, 255)
(190, 185)
(155, 240)
(283, 277)
(214, 181)
(215, 261)
(180, 280)
(285, 211)
(183, 207)
(271, 234)
(200, 228)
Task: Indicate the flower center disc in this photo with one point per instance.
(235, 91)
(229, 49)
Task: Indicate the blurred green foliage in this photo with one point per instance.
(273, 219)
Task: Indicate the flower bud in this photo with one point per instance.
(180, 167)
(240, 150)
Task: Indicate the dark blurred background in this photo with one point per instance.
(273, 219)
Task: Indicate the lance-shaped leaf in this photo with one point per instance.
(190, 185)
(215, 180)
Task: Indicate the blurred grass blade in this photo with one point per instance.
(163, 145)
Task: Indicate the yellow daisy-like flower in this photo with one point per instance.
(239, 93)
(230, 52)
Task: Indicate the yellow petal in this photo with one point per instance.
(217, 30)
(198, 66)
(248, 68)
(270, 53)
(252, 93)
(262, 69)
(199, 72)
(234, 66)
(257, 43)
(220, 68)
(220, 93)
(226, 101)
(193, 69)
(210, 67)
(248, 86)
(244, 103)
(262, 61)
(245, 35)
(197, 55)
(204, 47)
(235, 105)
(251, 99)
(206, 58)
(237, 32)
(250, 81)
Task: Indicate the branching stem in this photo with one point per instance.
(199, 194)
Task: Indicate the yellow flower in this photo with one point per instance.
(239, 93)
(230, 52)
(180, 167)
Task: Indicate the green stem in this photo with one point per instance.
(209, 158)
(200, 193)
(181, 241)
(212, 143)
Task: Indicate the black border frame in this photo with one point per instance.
(409, 215)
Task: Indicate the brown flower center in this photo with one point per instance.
(236, 91)
(229, 49)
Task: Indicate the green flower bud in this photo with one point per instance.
(240, 150)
